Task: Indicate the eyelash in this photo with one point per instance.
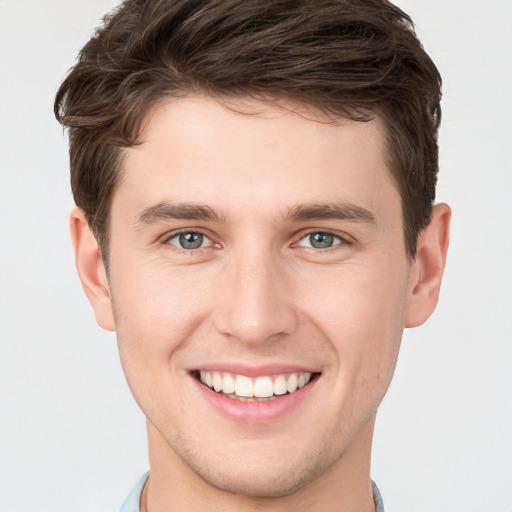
(341, 241)
(175, 234)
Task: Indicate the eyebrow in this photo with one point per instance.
(334, 211)
(167, 210)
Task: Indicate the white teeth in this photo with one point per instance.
(304, 379)
(261, 387)
(280, 385)
(217, 381)
(228, 384)
(291, 383)
(244, 386)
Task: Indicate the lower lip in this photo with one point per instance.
(255, 412)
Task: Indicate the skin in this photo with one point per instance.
(257, 293)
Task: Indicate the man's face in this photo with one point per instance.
(253, 250)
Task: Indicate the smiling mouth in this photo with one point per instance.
(259, 389)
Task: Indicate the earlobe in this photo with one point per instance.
(428, 268)
(91, 269)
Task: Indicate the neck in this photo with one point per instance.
(173, 486)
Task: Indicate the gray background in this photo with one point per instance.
(71, 436)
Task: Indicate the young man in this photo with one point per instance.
(254, 185)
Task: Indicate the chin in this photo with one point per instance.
(267, 478)
(268, 485)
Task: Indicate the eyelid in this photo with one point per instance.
(343, 238)
(166, 239)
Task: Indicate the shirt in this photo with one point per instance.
(132, 502)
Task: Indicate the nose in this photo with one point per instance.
(254, 303)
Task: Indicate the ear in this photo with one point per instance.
(91, 269)
(428, 267)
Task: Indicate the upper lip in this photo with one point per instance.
(255, 370)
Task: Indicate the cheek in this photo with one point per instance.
(158, 300)
(156, 312)
(155, 316)
(361, 314)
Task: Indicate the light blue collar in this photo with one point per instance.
(377, 498)
(132, 501)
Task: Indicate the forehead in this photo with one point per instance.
(237, 154)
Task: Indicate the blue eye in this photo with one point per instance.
(189, 240)
(320, 240)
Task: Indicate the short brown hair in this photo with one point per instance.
(348, 58)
